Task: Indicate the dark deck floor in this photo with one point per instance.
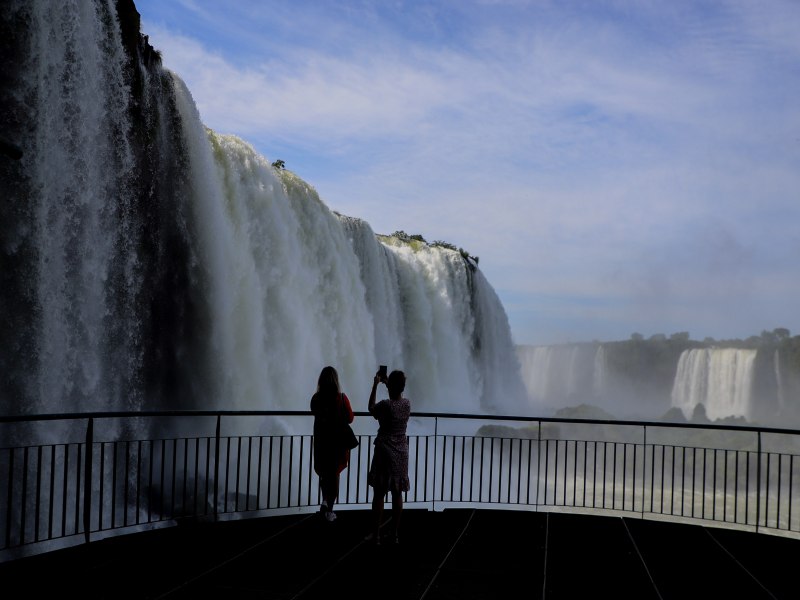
(460, 554)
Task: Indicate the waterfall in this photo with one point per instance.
(600, 372)
(779, 380)
(721, 379)
(154, 263)
(560, 375)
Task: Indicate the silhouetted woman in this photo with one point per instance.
(389, 469)
(330, 407)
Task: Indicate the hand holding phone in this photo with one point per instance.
(382, 373)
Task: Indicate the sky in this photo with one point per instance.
(618, 167)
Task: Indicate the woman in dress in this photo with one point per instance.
(389, 469)
(330, 407)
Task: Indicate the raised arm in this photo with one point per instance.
(376, 380)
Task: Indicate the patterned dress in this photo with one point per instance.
(389, 468)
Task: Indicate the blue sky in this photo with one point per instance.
(618, 167)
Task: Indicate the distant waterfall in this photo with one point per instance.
(721, 379)
(150, 262)
(561, 375)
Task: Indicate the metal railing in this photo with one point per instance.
(71, 478)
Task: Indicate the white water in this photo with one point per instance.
(81, 166)
(562, 375)
(721, 379)
(278, 285)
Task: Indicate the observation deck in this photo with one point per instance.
(223, 504)
(467, 554)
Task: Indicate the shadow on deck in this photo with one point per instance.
(456, 553)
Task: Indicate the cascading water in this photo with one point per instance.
(720, 379)
(166, 266)
(561, 375)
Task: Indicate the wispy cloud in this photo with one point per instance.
(627, 159)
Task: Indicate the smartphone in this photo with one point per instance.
(382, 372)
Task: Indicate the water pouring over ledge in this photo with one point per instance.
(152, 263)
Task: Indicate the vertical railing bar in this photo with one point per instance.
(778, 505)
(510, 464)
(519, 472)
(791, 486)
(78, 472)
(281, 440)
(65, 492)
(24, 497)
(644, 466)
(463, 456)
(207, 477)
(574, 472)
(736, 488)
(150, 482)
(714, 488)
(705, 460)
(546, 468)
(683, 480)
(480, 475)
(163, 468)
(52, 492)
(87, 483)
(614, 478)
(766, 490)
(435, 454)
(725, 490)
(758, 484)
(38, 494)
(101, 487)
(226, 489)
(556, 462)
(605, 467)
(452, 470)
(261, 466)
(182, 511)
(694, 476)
(114, 447)
(289, 474)
(10, 496)
(127, 480)
(311, 444)
(237, 484)
(138, 478)
(538, 462)
(672, 484)
(624, 472)
(585, 458)
(218, 441)
(269, 472)
(196, 492)
(594, 476)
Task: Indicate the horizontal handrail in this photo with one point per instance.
(441, 415)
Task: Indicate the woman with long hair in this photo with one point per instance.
(331, 408)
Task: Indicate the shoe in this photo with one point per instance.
(396, 540)
(330, 516)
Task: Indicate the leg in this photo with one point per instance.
(377, 513)
(332, 493)
(397, 510)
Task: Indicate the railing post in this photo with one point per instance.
(435, 456)
(216, 468)
(538, 463)
(758, 486)
(87, 481)
(644, 466)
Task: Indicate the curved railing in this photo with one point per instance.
(72, 478)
